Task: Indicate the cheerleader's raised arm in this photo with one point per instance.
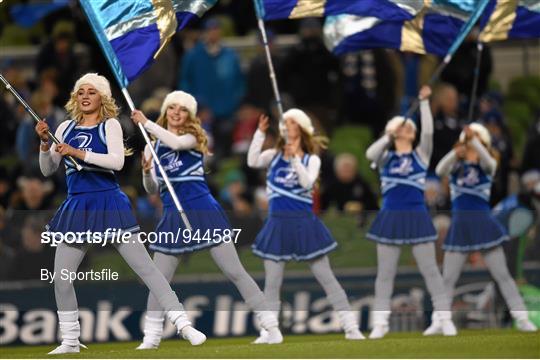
(377, 151)
(486, 161)
(170, 139)
(175, 142)
(446, 164)
(425, 146)
(256, 158)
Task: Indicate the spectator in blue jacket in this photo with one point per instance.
(212, 73)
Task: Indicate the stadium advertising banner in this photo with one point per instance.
(112, 311)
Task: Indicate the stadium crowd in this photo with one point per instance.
(362, 89)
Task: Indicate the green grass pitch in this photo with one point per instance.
(468, 344)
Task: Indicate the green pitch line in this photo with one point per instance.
(469, 344)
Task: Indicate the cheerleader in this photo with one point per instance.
(292, 231)
(471, 168)
(404, 219)
(181, 145)
(95, 203)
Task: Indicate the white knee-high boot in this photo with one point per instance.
(183, 325)
(70, 330)
(441, 323)
(349, 323)
(153, 330)
(267, 317)
(347, 318)
(269, 322)
(380, 324)
(274, 307)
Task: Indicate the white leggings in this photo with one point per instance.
(322, 271)
(496, 263)
(69, 257)
(387, 264)
(226, 258)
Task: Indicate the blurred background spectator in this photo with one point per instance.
(259, 87)
(58, 54)
(458, 72)
(311, 74)
(447, 121)
(531, 159)
(211, 72)
(369, 95)
(349, 192)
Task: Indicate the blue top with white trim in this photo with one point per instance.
(403, 178)
(283, 188)
(470, 187)
(91, 178)
(185, 170)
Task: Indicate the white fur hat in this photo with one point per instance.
(396, 122)
(100, 83)
(182, 98)
(479, 130)
(300, 118)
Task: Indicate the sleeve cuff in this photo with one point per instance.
(260, 134)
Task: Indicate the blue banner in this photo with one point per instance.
(292, 9)
(112, 310)
(511, 19)
(132, 33)
(438, 29)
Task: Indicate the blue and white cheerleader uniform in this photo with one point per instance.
(292, 231)
(473, 225)
(403, 218)
(95, 202)
(209, 223)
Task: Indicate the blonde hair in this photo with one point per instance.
(311, 144)
(485, 138)
(191, 126)
(481, 131)
(107, 110)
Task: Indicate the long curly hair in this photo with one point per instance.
(108, 109)
(191, 126)
(310, 144)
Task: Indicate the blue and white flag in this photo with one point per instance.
(132, 33)
(511, 19)
(294, 9)
(438, 29)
